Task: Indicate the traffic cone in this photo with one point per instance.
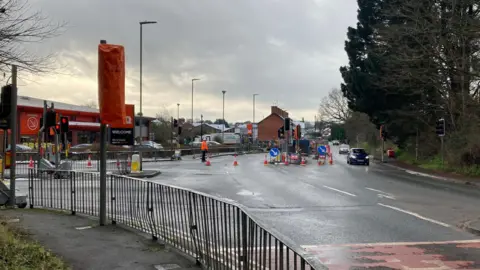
(207, 163)
(118, 163)
(330, 160)
(302, 162)
(235, 163)
(286, 161)
(265, 162)
(31, 165)
(89, 162)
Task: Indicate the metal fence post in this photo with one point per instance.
(73, 196)
(244, 241)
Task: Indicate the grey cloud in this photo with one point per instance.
(228, 42)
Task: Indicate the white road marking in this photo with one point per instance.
(473, 241)
(415, 215)
(341, 191)
(378, 190)
(386, 196)
(83, 228)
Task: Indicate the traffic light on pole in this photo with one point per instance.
(440, 127)
(51, 119)
(64, 125)
(57, 128)
(383, 133)
(298, 132)
(281, 133)
(175, 123)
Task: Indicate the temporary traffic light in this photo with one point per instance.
(440, 127)
(6, 102)
(57, 128)
(287, 124)
(298, 132)
(179, 130)
(281, 133)
(51, 119)
(175, 123)
(64, 124)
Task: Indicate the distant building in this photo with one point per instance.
(84, 121)
(268, 127)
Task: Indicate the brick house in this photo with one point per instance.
(268, 127)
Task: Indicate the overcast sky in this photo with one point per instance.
(287, 51)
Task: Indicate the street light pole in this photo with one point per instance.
(254, 95)
(253, 123)
(223, 117)
(178, 112)
(194, 79)
(141, 72)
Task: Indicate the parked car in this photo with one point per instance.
(21, 148)
(358, 156)
(335, 142)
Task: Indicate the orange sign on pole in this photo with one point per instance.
(111, 85)
(250, 129)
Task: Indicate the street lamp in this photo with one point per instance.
(178, 112)
(253, 123)
(194, 79)
(201, 127)
(223, 117)
(141, 69)
(254, 95)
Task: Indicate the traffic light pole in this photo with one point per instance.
(14, 127)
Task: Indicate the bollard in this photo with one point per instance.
(135, 167)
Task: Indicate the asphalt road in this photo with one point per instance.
(333, 211)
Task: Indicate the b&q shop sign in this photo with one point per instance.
(29, 123)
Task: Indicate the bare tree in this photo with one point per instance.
(334, 107)
(19, 26)
(91, 104)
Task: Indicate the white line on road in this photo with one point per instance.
(393, 244)
(380, 195)
(83, 228)
(415, 215)
(341, 191)
(377, 190)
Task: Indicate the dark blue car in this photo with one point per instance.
(358, 156)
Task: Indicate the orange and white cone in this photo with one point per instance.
(330, 161)
(235, 163)
(89, 162)
(302, 162)
(265, 162)
(31, 164)
(208, 163)
(118, 163)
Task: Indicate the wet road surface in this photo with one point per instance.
(346, 216)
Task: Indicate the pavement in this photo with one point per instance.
(84, 245)
(344, 215)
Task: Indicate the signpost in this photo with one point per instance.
(274, 152)
(121, 136)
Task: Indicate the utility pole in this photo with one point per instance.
(103, 167)
(13, 143)
(201, 128)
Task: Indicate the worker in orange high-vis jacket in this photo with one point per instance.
(204, 149)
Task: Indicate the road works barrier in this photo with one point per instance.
(217, 234)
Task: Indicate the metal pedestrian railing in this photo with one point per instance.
(218, 234)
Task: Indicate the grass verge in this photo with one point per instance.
(17, 251)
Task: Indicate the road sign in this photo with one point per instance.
(322, 149)
(274, 152)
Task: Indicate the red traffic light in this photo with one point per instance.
(57, 127)
(64, 120)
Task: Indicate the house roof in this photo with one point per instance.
(269, 116)
(215, 126)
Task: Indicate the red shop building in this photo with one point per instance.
(83, 120)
